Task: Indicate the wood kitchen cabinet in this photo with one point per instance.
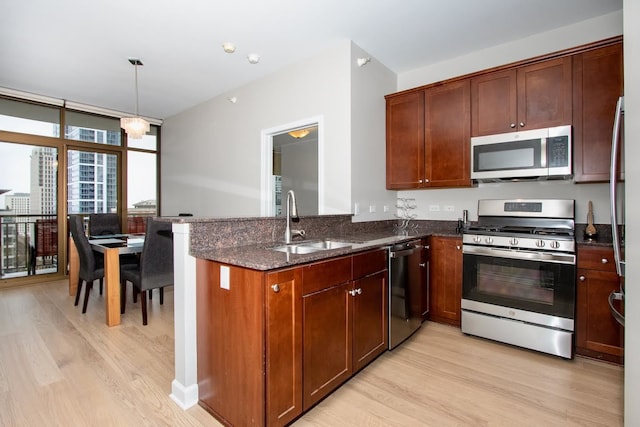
(597, 85)
(597, 332)
(523, 98)
(345, 321)
(445, 279)
(428, 137)
(272, 344)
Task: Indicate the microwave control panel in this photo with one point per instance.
(558, 151)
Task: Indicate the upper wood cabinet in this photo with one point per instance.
(428, 137)
(405, 140)
(597, 85)
(523, 98)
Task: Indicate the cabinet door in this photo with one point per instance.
(597, 332)
(447, 135)
(327, 357)
(370, 318)
(405, 141)
(283, 301)
(597, 85)
(446, 279)
(544, 94)
(494, 103)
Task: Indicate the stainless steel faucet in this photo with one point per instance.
(293, 214)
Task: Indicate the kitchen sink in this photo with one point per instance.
(310, 247)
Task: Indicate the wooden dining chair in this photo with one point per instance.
(90, 268)
(156, 265)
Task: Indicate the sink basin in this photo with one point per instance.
(310, 247)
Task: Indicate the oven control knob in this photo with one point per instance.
(477, 239)
(555, 244)
(489, 240)
(540, 243)
(513, 241)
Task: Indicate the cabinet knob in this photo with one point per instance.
(420, 181)
(276, 288)
(352, 292)
(604, 261)
(359, 291)
(458, 247)
(581, 278)
(521, 124)
(422, 264)
(512, 125)
(426, 180)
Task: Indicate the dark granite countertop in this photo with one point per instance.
(260, 256)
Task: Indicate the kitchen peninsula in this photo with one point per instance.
(233, 337)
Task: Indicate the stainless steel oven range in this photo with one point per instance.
(519, 274)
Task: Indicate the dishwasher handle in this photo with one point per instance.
(402, 253)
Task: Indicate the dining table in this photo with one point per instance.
(111, 246)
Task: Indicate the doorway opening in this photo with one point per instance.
(292, 159)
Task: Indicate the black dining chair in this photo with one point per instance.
(104, 223)
(156, 265)
(90, 268)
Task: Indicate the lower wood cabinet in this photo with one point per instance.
(597, 332)
(445, 283)
(272, 344)
(345, 321)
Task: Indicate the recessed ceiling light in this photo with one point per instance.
(253, 58)
(229, 47)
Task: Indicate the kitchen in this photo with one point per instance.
(366, 186)
(345, 98)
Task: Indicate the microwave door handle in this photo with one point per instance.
(543, 152)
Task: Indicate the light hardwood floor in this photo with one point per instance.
(59, 367)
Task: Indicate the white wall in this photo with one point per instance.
(369, 84)
(632, 229)
(582, 33)
(211, 153)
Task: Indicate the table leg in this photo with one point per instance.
(112, 286)
(74, 267)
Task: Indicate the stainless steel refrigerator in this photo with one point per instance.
(616, 192)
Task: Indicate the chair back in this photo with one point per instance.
(85, 253)
(104, 223)
(156, 260)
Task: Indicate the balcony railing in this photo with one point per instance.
(29, 243)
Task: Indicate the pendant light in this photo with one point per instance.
(136, 126)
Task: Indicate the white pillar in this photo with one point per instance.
(184, 388)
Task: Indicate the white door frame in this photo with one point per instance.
(266, 182)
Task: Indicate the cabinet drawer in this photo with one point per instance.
(322, 275)
(369, 263)
(596, 259)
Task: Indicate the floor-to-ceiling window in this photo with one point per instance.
(100, 171)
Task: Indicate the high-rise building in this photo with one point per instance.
(92, 178)
(18, 203)
(44, 166)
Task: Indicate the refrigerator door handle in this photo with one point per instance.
(613, 180)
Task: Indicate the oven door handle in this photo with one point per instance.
(559, 258)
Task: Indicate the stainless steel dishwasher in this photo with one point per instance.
(408, 284)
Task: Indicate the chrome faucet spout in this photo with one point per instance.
(292, 213)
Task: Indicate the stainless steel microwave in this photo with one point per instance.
(539, 153)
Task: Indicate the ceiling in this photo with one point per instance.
(78, 50)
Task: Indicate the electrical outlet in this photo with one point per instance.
(434, 208)
(449, 208)
(385, 208)
(224, 277)
(356, 208)
(372, 208)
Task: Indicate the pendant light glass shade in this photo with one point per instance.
(300, 133)
(136, 127)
